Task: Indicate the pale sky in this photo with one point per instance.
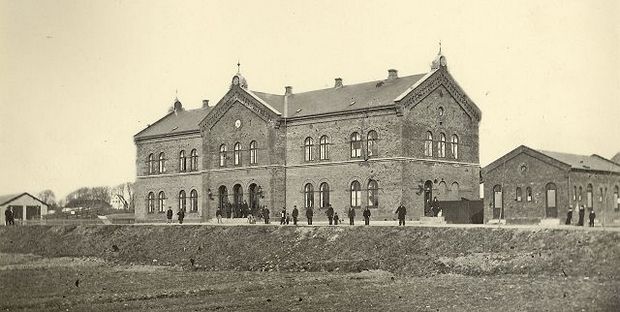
(79, 78)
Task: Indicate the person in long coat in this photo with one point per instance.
(283, 216)
(569, 216)
(169, 214)
(582, 214)
(330, 214)
(266, 215)
(295, 214)
(592, 217)
(181, 215)
(351, 215)
(309, 215)
(245, 209)
(8, 216)
(366, 215)
(401, 211)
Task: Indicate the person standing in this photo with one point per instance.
(169, 215)
(181, 215)
(309, 215)
(336, 219)
(8, 216)
(295, 214)
(245, 209)
(283, 216)
(351, 215)
(592, 217)
(582, 214)
(330, 214)
(569, 216)
(218, 215)
(402, 213)
(266, 214)
(366, 215)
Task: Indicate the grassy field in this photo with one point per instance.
(34, 283)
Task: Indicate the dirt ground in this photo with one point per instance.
(35, 283)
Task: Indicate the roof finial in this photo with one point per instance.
(176, 95)
(439, 46)
(238, 67)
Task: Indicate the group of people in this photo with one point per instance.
(9, 217)
(180, 215)
(581, 214)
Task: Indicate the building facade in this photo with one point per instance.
(530, 186)
(24, 207)
(375, 144)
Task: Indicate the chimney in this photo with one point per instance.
(392, 74)
(205, 103)
(338, 83)
(288, 90)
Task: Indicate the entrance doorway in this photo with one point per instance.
(428, 198)
(33, 212)
(237, 200)
(223, 201)
(254, 202)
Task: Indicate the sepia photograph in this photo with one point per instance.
(276, 155)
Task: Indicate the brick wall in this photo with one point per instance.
(603, 204)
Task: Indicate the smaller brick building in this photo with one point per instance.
(530, 186)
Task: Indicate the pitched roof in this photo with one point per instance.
(348, 97)
(616, 158)
(4, 199)
(584, 162)
(182, 121)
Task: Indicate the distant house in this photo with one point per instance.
(530, 186)
(24, 207)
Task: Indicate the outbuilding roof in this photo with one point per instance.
(584, 162)
(5, 199)
(176, 122)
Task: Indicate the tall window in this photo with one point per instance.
(222, 155)
(373, 194)
(162, 162)
(237, 154)
(600, 195)
(308, 146)
(150, 163)
(309, 196)
(589, 199)
(551, 200)
(253, 151)
(574, 192)
(455, 146)
(528, 194)
(324, 194)
(356, 145)
(441, 146)
(518, 195)
(161, 201)
(498, 211)
(150, 202)
(194, 160)
(371, 144)
(193, 201)
(324, 148)
(182, 162)
(356, 194)
(579, 197)
(428, 144)
(182, 200)
(616, 202)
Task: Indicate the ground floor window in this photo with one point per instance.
(356, 194)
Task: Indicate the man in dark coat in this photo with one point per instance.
(245, 209)
(330, 214)
(336, 219)
(309, 215)
(402, 212)
(366, 215)
(592, 217)
(228, 210)
(295, 214)
(351, 215)
(569, 216)
(582, 214)
(266, 215)
(169, 214)
(8, 216)
(181, 215)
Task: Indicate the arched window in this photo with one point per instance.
(324, 148)
(616, 202)
(518, 195)
(324, 195)
(161, 202)
(223, 200)
(150, 202)
(589, 197)
(182, 201)
(356, 145)
(600, 195)
(373, 194)
(580, 196)
(428, 144)
(441, 146)
(193, 201)
(454, 191)
(162, 162)
(455, 146)
(222, 155)
(194, 162)
(498, 211)
(308, 146)
(574, 192)
(371, 144)
(150, 163)
(237, 154)
(528, 194)
(356, 194)
(182, 161)
(551, 200)
(309, 196)
(253, 150)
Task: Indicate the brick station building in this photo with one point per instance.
(530, 186)
(379, 143)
